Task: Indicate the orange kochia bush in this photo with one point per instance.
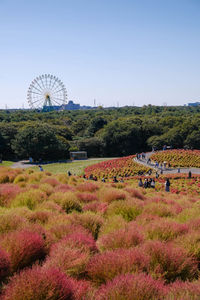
(178, 158)
(124, 166)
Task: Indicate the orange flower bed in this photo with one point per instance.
(124, 166)
(178, 158)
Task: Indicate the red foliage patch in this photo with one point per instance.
(4, 265)
(24, 248)
(129, 287)
(39, 283)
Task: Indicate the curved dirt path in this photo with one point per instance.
(166, 170)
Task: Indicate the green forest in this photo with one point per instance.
(101, 132)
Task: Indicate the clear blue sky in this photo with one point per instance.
(126, 51)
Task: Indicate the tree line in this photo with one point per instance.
(100, 132)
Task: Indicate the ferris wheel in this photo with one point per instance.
(46, 90)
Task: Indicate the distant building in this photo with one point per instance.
(69, 106)
(194, 104)
(78, 155)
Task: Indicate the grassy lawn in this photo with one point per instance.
(76, 167)
(6, 164)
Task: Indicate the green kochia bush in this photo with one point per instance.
(128, 209)
(68, 201)
(29, 198)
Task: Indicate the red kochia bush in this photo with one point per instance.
(96, 207)
(39, 284)
(4, 265)
(88, 187)
(80, 239)
(123, 238)
(129, 287)
(8, 192)
(24, 248)
(104, 267)
(135, 193)
(184, 291)
(87, 197)
(170, 262)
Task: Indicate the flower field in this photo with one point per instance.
(116, 167)
(178, 158)
(66, 238)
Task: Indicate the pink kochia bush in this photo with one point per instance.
(104, 267)
(127, 237)
(79, 239)
(24, 248)
(184, 291)
(87, 197)
(169, 262)
(129, 287)
(88, 187)
(70, 256)
(39, 284)
(165, 230)
(4, 264)
(8, 192)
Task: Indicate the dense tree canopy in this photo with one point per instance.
(101, 132)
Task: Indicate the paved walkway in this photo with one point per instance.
(167, 170)
(23, 164)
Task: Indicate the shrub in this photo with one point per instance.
(68, 201)
(170, 263)
(78, 239)
(47, 188)
(128, 209)
(88, 187)
(184, 291)
(10, 222)
(21, 178)
(63, 188)
(191, 243)
(39, 284)
(82, 290)
(4, 178)
(111, 224)
(165, 230)
(70, 259)
(111, 194)
(29, 198)
(135, 193)
(96, 207)
(41, 217)
(123, 238)
(129, 287)
(87, 197)
(4, 265)
(60, 231)
(105, 266)
(51, 206)
(158, 209)
(90, 221)
(24, 248)
(7, 193)
(50, 180)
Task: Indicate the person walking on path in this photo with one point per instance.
(140, 183)
(167, 185)
(41, 168)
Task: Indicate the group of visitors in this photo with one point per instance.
(148, 183)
